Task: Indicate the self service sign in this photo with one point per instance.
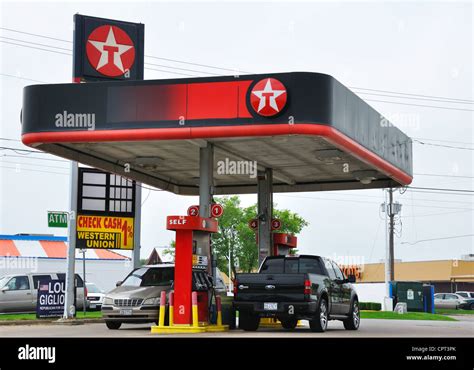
(51, 296)
(104, 232)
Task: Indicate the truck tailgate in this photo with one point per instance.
(270, 287)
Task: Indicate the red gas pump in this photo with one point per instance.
(282, 243)
(192, 282)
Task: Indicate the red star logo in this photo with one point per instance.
(110, 50)
(268, 97)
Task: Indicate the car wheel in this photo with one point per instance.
(248, 322)
(319, 323)
(289, 324)
(113, 325)
(471, 306)
(353, 321)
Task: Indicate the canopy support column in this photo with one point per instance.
(264, 213)
(206, 171)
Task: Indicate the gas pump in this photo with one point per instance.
(283, 243)
(192, 281)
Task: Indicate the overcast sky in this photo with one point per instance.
(423, 48)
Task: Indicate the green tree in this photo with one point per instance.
(237, 240)
(226, 243)
(170, 251)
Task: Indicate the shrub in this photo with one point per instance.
(372, 306)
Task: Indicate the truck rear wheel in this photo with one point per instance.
(113, 325)
(248, 322)
(353, 321)
(289, 324)
(319, 323)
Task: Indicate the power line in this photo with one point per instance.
(443, 238)
(33, 164)
(439, 193)
(29, 169)
(32, 157)
(21, 78)
(439, 175)
(148, 56)
(404, 93)
(442, 189)
(365, 202)
(437, 214)
(443, 141)
(421, 105)
(34, 34)
(34, 47)
(18, 151)
(442, 145)
(414, 98)
(35, 43)
(182, 69)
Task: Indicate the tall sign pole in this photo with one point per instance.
(69, 302)
(94, 42)
(137, 226)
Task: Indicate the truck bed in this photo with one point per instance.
(270, 287)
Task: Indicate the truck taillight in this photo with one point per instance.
(307, 287)
(235, 287)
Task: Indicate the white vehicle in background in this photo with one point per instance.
(95, 296)
(466, 294)
(19, 292)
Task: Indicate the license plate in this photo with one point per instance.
(270, 306)
(127, 312)
(92, 305)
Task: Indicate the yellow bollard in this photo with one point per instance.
(171, 309)
(195, 309)
(161, 320)
(219, 310)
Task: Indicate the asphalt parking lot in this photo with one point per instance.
(368, 328)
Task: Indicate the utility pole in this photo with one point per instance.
(391, 228)
(391, 209)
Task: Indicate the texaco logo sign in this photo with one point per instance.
(110, 51)
(268, 97)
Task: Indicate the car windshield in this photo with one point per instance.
(4, 280)
(463, 295)
(92, 288)
(150, 276)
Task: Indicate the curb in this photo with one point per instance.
(50, 322)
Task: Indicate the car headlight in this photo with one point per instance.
(108, 301)
(151, 301)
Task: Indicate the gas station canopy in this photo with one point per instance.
(310, 129)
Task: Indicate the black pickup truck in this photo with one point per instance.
(293, 288)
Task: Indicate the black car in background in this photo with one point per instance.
(292, 288)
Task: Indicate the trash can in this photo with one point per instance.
(410, 292)
(428, 298)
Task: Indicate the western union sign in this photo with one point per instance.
(104, 232)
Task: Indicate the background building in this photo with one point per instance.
(40, 253)
(445, 275)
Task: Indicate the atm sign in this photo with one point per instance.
(104, 232)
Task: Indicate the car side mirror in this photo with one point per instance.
(4, 289)
(351, 279)
(118, 283)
